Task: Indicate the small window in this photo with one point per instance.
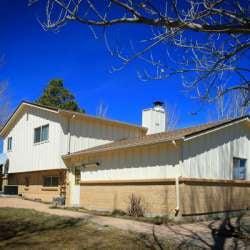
(1, 169)
(77, 175)
(9, 144)
(41, 134)
(51, 181)
(239, 169)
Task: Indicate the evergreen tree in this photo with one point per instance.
(56, 95)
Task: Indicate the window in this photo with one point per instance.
(77, 175)
(41, 134)
(239, 169)
(51, 181)
(9, 144)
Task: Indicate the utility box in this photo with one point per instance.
(10, 190)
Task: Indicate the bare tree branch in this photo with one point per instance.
(4, 103)
(229, 106)
(4, 100)
(206, 43)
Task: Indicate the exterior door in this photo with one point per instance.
(75, 188)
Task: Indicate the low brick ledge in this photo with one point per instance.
(50, 189)
(214, 181)
(195, 181)
(129, 182)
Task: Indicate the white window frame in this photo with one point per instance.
(41, 132)
(239, 159)
(51, 182)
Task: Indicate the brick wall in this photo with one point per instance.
(157, 197)
(197, 196)
(201, 196)
(35, 189)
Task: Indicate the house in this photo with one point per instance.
(99, 163)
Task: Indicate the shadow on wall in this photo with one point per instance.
(35, 178)
(206, 197)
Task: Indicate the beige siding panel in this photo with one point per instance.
(211, 155)
(159, 161)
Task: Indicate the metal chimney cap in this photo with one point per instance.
(158, 103)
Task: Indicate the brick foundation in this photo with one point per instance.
(197, 196)
(35, 189)
(210, 196)
(157, 197)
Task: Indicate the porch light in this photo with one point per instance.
(91, 165)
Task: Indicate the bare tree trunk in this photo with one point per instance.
(172, 117)
(102, 110)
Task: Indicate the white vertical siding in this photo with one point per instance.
(89, 133)
(27, 156)
(85, 133)
(211, 155)
(152, 162)
(207, 156)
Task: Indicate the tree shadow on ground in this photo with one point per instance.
(220, 235)
(11, 228)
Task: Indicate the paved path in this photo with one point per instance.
(201, 233)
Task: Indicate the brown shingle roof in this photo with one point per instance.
(155, 138)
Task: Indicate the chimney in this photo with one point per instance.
(155, 118)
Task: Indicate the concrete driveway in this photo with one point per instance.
(203, 234)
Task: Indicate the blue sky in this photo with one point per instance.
(34, 56)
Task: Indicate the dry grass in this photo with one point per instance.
(28, 229)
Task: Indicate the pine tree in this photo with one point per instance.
(56, 95)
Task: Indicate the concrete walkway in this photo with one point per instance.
(203, 234)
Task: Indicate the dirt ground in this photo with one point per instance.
(219, 234)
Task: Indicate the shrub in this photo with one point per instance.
(135, 207)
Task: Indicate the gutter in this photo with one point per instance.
(69, 132)
(216, 128)
(87, 151)
(177, 189)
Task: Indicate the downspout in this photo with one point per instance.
(69, 132)
(68, 178)
(177, 182)
(177, 179)
(177, 190)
